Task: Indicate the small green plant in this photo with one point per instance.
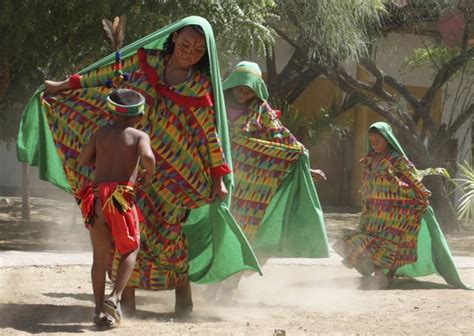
(465, 208)
(316, 126)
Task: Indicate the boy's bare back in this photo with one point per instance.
(117, 153)
(117, 149)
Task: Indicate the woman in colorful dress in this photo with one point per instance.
(274, 199)
(177, 72)
(398, 234)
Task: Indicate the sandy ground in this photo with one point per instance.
(294, 297)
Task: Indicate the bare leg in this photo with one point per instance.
(128, 301)
(124, 271)
(184, 300)
(101, 246)
(380, 281)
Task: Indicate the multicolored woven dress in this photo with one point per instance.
(274, 199)
(394, 200)
(182, 121)
(397, 229)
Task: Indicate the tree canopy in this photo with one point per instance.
(50, 39)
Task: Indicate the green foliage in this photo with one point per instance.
(465, 208)
(329, 30)
(50, 39)
(433, 57)
(317, 126)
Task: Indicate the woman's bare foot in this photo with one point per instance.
(129, 307)
(184, 300)
(379, 280)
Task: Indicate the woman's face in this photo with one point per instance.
(189, 47)
(243, 93)
(378, 142)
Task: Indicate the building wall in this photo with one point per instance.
(341, 161)
(11, 177)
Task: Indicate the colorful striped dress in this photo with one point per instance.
(181, 123)
(263, 151)
(394, 201)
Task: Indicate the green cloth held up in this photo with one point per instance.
(292, 224)
(433, 254)
(217, 246)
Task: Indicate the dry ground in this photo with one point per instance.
(297, 297)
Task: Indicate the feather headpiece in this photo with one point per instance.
(115, 31)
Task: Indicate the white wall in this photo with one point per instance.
(11, 172)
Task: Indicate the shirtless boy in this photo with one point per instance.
(108, 205)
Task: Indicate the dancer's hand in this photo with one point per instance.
(54, 87)
(318, 174)
(219, 190)
(144, 177)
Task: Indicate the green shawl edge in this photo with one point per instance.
(433, 254)
(212, 259)
(293, 215)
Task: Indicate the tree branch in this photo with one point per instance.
(443, 75)
(287, 39)
(407, 95)
(460, 120)
(379, 77)
(341, 74)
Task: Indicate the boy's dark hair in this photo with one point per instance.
(203, 64)
(125, 97)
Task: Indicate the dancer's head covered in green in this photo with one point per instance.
(398, 234)
(246, 82)
(386, 132)
(177, 71)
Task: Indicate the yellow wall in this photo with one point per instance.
(345, 177)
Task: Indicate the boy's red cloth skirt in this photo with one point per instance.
(119, 209)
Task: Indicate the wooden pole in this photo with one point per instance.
(25, 192)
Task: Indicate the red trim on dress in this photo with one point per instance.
(220, 170)
(185, 101)
(75, 82)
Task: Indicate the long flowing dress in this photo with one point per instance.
(188, 133)
(394, 202)
(274, 199)
(397, 229)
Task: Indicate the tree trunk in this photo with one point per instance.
(441, 203)
(439, 154)
(25, 193)
(290, 83)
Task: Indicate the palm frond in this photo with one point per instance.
(465, 208)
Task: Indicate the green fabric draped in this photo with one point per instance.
(217, 246)
(249, 74)
(293, 225)
(433, 254)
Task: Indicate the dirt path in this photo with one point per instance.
(300, 297)
(302, 300)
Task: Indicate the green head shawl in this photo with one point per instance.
(35, 143)
(386, 131)
(248, 74)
